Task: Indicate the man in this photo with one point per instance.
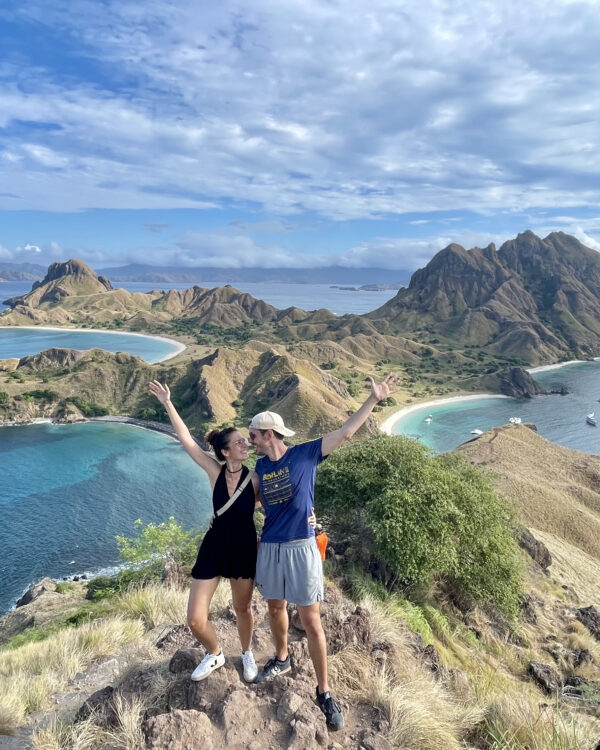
(289, 566)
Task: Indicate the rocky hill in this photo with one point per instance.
(223, 387)
(430, 673)
(535, 299)
(554, 490)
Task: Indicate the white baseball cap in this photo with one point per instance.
(269, 420)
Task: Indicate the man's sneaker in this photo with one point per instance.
(250, 668)
(273, 668)
(207, 666)
(330, 708)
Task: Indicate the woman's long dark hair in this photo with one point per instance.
(219, 440)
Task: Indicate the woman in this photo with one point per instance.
(229, 546)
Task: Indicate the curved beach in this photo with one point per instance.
(389, 424)
(179, 346)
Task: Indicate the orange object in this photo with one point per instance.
(322, 540)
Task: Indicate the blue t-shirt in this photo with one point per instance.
(288, 490)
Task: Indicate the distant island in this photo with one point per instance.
(368, 287)
(206, 275)
(21, 271)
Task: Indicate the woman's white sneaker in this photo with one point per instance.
(250, 668)
(208, 665)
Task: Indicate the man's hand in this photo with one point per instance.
(383, 390)
(334, 439)
(312, 519)
(162, 392)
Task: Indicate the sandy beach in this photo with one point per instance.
(179, 347)
(392, 421)
(558, 365)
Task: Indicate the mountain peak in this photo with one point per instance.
(72, 267)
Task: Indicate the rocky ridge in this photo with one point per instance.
(536, 299)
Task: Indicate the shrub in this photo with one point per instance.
(157, 542)
(423, 515)
(86, 408)
(3, 397)
(43, 395)
(105, 587)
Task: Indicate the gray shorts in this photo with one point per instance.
(291, 570)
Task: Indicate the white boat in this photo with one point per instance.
(515, 420)
(429, 418)
(476, 432)
(591, 419)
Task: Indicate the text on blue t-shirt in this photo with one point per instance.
(288, 490)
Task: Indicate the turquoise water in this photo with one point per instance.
(19, 342)
(557, 418)
(66, 490)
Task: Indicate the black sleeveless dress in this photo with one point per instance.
(229, 547)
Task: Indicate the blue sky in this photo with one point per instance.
(294, 132)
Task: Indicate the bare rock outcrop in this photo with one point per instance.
(46, 584)
(590, 617)
(535, 549)
(545, 676)
(179, 730)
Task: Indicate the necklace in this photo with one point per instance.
(233, 472)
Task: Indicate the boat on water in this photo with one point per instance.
(476, 432)
(515, 420)
(429, 418)
(591, 419)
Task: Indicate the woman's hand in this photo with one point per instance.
(312, 519)
(162, 392)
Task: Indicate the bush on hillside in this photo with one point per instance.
(424, 515)
(156, 543)
(86, 408)
(43, 395)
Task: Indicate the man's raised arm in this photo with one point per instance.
(334, 439)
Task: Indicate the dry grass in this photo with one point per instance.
(31, 673)
(552, 488)
(523, 724)
(488, 702)
(572, 566)
(421, 712)
(128, 734)
(58, 735)
(158, 605)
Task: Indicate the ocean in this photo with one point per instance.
(557, 418)
(67, 490)
(20, 342)
(280, 295)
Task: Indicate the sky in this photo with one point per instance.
(363, 133)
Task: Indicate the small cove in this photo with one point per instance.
(22, 341)
(557, 418)
(67, 490)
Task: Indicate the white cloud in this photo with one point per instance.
(348, 110)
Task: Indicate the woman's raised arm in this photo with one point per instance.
(210, 465)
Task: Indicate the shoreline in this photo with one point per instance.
(388, 425)
(558, 365)
(179, 346)
(165, 429)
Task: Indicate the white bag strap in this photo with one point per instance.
(236, 494)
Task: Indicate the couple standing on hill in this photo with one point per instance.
(288, 567)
